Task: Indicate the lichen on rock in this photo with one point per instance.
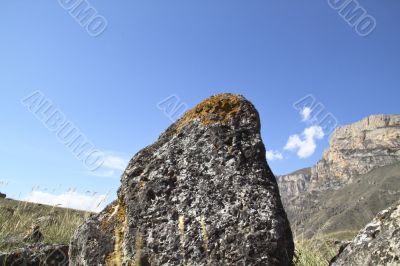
(117, 255)
(216, 109)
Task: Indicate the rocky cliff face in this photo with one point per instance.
(295, 183)
(357, 176)
(354, 150)
(203, 194)
(346, 209)
(358, 148)
(377, 244)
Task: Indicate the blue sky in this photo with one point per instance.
(272, 52)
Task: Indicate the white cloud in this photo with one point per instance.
(305, 114)
(273, 155)
(107, 173)
(70, 199)
(115, 162)
(113, 166)
(305, 144)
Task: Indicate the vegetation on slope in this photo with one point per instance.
(346, 209)
(319, 250)
(17, 218)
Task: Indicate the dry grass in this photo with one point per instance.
(309, 256)
(313, 253)
(319, 250)
(56, 224)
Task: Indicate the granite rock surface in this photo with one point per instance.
(202, 194)
(377, 244)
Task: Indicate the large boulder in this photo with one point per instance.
(202, 194)
(377, 244)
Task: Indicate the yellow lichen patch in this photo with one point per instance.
(204, 233)
(216, 109)
(121, 212)
(138, 248)
(109, 214)
(181, 227)
(116, 258)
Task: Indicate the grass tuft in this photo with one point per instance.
(17, 218)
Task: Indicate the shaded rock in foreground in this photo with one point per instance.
(35, 255)
(377, 244)
(202, 194)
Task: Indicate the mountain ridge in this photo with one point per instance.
(354, 149)
(357, 176)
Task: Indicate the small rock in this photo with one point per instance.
(37, 255)
(34, 235)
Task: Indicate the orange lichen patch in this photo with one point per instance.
(216, 109)
(116, 258)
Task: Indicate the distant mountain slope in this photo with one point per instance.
(348, 208)
(294, 183)
(354, 149)
(357, 176)
(357, 149)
